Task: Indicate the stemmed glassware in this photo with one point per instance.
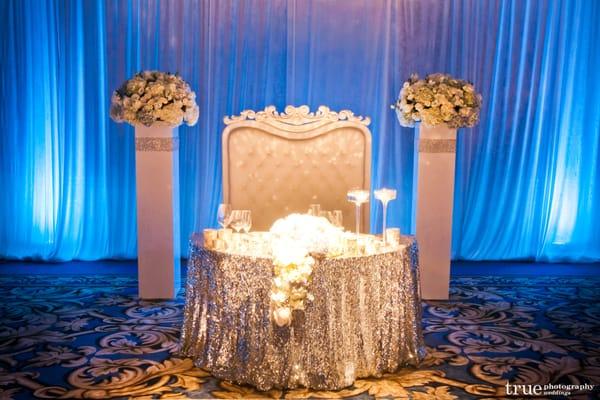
(237, 220)
(224, 215)
(314, 209)
(241, 220)
(335, 217)
(385, 195)
(246, 220)
(358, 197)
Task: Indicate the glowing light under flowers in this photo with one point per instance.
(293, 238)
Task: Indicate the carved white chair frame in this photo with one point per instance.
(298, 123)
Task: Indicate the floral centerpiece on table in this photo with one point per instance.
(438, 99)
(293, 240)
(153, 96)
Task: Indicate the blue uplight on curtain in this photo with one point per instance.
(527, 183)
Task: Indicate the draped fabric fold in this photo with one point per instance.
(527, 181)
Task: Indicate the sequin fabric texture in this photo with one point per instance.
(365, 319)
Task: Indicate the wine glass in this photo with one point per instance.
(314, 209)
(337, 218)
(385, 195)
(237, 220)
(358, 197)
(224, 215)
(247, 220)
(237, 223)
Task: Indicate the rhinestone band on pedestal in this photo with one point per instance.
(437, 146)
(156, 144)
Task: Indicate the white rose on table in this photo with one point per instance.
(286, 253)
(282, 316)
(278, 297)
(305, 268)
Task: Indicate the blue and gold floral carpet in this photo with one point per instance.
(90, 337)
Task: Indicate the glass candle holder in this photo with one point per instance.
(224, 236)
(385, 195)
(210, 235)
(358, 197)
(392, 236)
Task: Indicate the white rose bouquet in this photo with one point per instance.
(438, 99)
(293, 239)
(315, 234)
(289, 289)
(154, 96)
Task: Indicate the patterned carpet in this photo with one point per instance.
(89, 337)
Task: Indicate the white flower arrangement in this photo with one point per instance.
(438, 99)
(315, 234)
(293, 238)
(154, 97)
(290, 284)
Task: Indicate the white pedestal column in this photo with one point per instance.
(435, 198)
(157, 184)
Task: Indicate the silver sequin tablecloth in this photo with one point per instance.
(364, 320)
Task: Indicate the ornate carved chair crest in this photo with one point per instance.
(278, 163)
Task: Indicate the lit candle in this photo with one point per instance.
(225, 239)
(225, 234)
(392, 236)
(210, 235)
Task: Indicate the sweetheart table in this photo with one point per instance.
(364, 319)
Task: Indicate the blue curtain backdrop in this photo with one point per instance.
(527, 183)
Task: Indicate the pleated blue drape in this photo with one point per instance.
(528, 177)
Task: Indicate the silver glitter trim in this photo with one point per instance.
(437, 145)
(156, 144)
(365, 320)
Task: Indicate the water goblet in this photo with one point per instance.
(224, 215)
(237, 223)
(358, 197)
(246, 224)
(337, 218)
(314, 209)
(237, 220)
(247, 220)
(385, 195)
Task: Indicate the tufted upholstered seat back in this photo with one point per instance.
(278, 163)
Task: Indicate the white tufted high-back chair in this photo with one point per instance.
(275, 163)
